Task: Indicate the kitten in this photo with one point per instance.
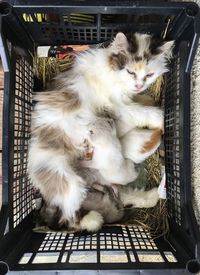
(101, 206)
(100, 80)
(111, 156)
(108, 156)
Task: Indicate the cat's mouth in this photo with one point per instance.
(138, 90)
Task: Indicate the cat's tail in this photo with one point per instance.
(139, 198)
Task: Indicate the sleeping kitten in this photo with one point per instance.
(137, 145)
(102, 205)
(100, 80)
(108, 157)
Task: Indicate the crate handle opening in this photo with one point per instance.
(193, 266)
(192, 10)
(5, 8)
(3, 268)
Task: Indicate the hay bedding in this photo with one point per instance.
(154, 219)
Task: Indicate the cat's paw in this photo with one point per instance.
(156, 119)
(131, 172)
(152, 198)
(92, 221)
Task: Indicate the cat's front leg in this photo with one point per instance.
(139, 116)
(111, 170)
(148, 116)
(139, 144)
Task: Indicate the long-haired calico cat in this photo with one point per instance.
(100, 83)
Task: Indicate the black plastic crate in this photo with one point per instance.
(114, 250)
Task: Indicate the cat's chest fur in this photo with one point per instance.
(121, 111)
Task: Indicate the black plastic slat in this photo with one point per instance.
(87, 22)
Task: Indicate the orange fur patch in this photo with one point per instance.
(154, 140)
(88, 150)
(138, 66)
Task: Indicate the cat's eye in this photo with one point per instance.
(150, 75)
(132, 73)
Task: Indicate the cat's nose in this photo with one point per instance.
(139, 86)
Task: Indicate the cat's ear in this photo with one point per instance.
(166, 49)
(120, 43)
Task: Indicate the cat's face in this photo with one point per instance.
(139, 60)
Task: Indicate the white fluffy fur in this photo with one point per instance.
(108, 157)
(68, 202)
(139, 198)
(91, 222)
(156, 65)
(134, 115)
(132, 143)
(98, 86)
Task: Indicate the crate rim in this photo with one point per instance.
(20, 5)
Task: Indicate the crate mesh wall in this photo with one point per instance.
(113, 247)
(129, 243)
(172, 141)
(22, 191)
(126, 244)
(83, 28)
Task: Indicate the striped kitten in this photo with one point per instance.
(100, 83)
